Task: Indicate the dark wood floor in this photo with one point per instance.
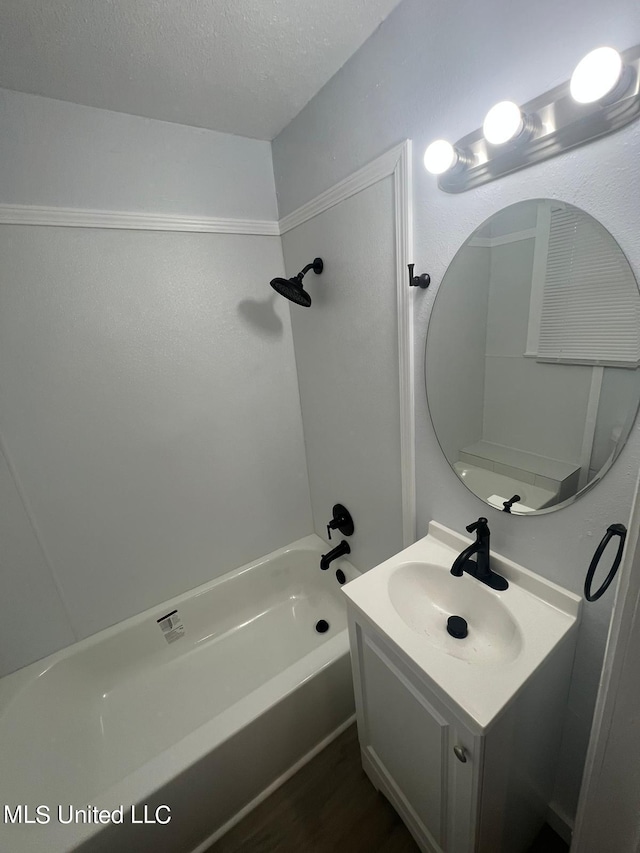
(327, 807)
(549, 842)
(330, 806)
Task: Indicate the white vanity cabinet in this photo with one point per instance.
(407, 738)
(458, 788)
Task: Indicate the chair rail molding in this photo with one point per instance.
(71, 217)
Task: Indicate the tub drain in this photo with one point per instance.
(322, 626)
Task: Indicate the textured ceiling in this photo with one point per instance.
(239, 66)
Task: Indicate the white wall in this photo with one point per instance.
(35, 619)
(430, 71)
(66, 155)
(148, 397)
(346, 348)
(608, 817)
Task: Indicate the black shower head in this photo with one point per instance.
(292, 289)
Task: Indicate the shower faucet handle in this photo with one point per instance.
(341, 521)
(508, 504)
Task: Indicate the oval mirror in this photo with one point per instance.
(532, 356)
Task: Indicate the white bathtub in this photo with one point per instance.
(205, 724)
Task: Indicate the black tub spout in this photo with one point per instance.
(339, 551)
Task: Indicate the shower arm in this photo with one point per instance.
(316, 265)
(304, 271)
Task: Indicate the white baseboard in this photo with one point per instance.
(201, 848)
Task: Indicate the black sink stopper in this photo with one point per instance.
(457, 627)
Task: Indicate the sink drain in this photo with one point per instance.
(457, 627)
(340, 576)
(322, 626)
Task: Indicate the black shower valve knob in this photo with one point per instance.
(341, 521)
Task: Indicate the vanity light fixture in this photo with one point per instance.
(602, 96)
(599, 75)
(440, 156)
(505, 122)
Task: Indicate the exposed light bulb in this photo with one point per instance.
(439, 157)
(503, 122)
(596, 75)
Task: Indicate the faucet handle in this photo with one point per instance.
(508, 504)
(481, 525)
(341, 520)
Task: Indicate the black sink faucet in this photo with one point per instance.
(480, 568)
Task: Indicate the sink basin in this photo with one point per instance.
(511, 633)
(424, 595)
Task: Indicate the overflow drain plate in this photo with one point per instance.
(322, 626)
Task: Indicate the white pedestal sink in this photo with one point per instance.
(461, 734)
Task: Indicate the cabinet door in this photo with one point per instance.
(408, 739)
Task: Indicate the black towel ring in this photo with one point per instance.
(613, 530)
